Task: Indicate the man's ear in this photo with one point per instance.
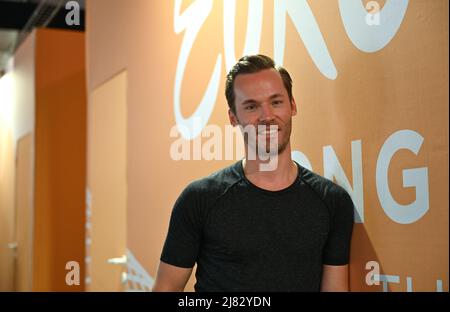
(293, 107)
(233, 118)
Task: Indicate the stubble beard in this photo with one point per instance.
(285, 140)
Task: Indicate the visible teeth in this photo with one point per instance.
(269, 132)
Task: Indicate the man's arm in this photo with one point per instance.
(171, 278)
(335, 278)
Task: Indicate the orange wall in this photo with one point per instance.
(60, 165)
(21, 93)
(7, 165)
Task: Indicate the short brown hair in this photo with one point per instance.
(251, 64)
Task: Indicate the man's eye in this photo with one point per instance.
(250, 107)
(277, 102)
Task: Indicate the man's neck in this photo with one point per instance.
(282, 176)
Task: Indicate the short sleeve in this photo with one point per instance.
(185, 228)
(337, 247)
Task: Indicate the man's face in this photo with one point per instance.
(262, 100)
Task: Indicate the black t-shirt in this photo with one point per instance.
(245, 238)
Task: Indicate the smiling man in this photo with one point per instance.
(247, 229)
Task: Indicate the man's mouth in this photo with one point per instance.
(269, 131)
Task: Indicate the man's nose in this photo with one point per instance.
(266, 113)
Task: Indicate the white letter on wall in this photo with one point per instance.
(332, 168)
(191, 21)
(418, 178)
(301, 159)
(254, 28)
(363, 35)
(306, 26)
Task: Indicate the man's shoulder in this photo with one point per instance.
(217, 182)
(325, 188)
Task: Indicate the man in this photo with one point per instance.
(284, 229)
